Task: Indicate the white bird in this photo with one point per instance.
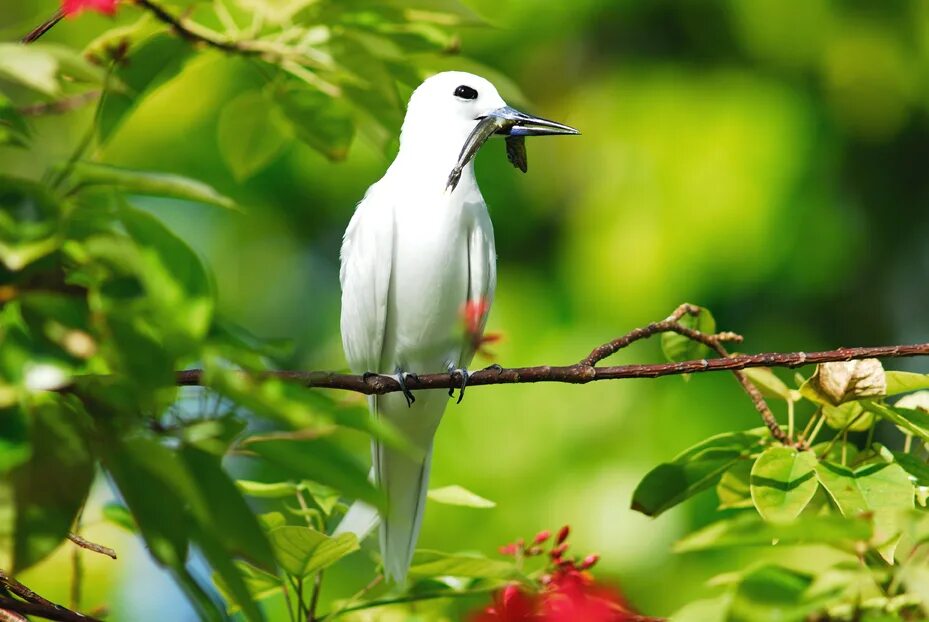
(418, 249)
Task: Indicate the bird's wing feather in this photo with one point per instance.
(482, 270)
(367, 258)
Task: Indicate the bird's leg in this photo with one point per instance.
(462, 372)
(401, 380)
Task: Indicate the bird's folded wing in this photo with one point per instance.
(482, 272)
(367, 257)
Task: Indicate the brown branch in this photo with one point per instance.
(44, 27)
(36, 605)
(573, 374)
(92, 546)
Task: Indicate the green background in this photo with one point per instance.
(765, 159)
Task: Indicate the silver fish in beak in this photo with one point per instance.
(513, 124)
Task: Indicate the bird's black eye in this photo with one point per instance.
(465, 92)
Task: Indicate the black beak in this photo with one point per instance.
(512, 122)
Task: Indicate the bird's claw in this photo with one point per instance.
(497, 367)
(401, 380)
(465, 376)
(368, 375)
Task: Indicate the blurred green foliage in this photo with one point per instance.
(763, 158)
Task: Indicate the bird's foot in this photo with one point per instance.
(462, 373)
(497, 367)
(401, 380)
(368, 375)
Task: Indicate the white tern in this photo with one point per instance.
(418, 251)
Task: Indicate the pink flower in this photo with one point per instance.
(72, 8)
(511, 604)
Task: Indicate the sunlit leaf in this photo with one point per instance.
(119, 514)
(149, 183)
(749, 529)
(768, 383)
(436, 564)
(456, 495)
(733, 489)
(261, 585)
(249, 137)
(275, 490)
(318, 120)
(694, 470)
(850, 415)
(29, 66)
(302, 551)
(783, 481)
(904, 381)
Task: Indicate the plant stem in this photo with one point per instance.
(790, 420)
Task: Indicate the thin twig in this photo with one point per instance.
(59, 106)
(92, 546)
(44, 27)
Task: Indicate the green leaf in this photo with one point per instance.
(917, 468)
(904, 382)
(87, 174)
(50, 488)
(270, 520)
(772, 593)
(706, 610)
(321, 461)
(261, 585)
(749, 529)
(734, 489)
(175, 280)
(150, 64)
(768, 383)
(323, 123)
(120, 515)
(880, 489)
(302, 551)
(694, 470)
(30, 66)
(29, 221)
(456, 495)
(228, 517)
(14, 130)
(15, 448)
(911, 421)
(436, 564)
(249, 137)
(783, 481)
(262, 490)
(224, 567)
(680, 348)
(849, 415)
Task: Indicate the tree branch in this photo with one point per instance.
(92, 546)
(36, 605)
(586, 369)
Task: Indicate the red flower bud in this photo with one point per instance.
(589, 561)
(563, 534)
(73, 7)
(542, 536)
(508, 549)
(558, 551)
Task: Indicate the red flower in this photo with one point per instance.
(73, 7)
(511, 604)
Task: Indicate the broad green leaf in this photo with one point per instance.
(14, 130)
(456, 495)
(749, 529)
(734, 488)
(150, 64)
(771, 593)
(768, 383)
(302, 551)
(152, 481)
(318, 120)
(175, 280)
(835, 383)
(50, 488)
(86, 174)
(880, 489)
(270, 520)
(229, 518)
(707, 610)
(911, 421)
(783, 481)
(15, 446)
(849, 415)
(249, 137)
(275, 490)
(224, 567)
(904, 382)
(694, 470)
(261, 585)
(436, 564)
(323, 497)
(119, 514)
(322, 461)
(29, 66)
(679, 348)
(917, 468)
(214, 435)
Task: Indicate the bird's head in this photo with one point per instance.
(446, 110)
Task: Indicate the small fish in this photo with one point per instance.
(487, 127)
